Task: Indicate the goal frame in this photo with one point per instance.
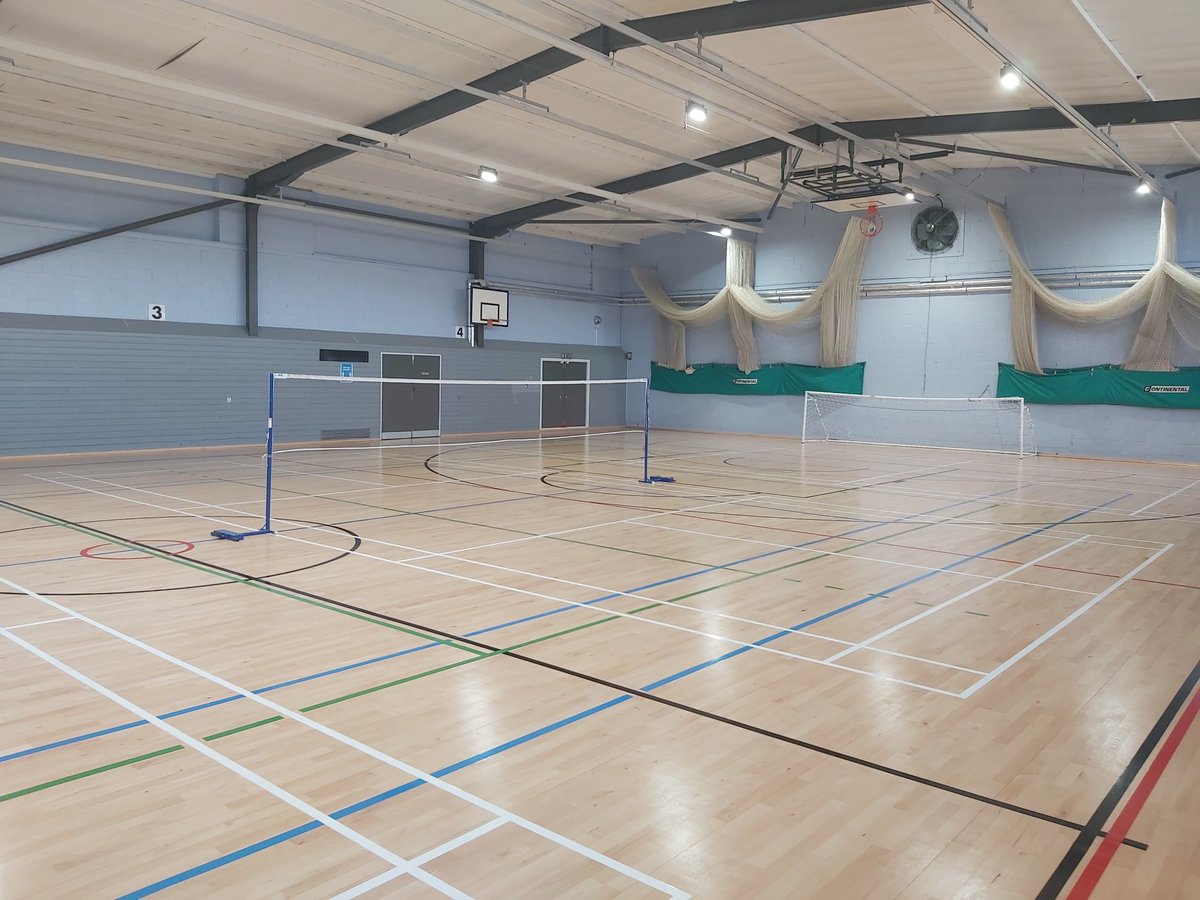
(269, 444)
(1018, 401)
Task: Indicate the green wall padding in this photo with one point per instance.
(774, 380)
(1110, 385)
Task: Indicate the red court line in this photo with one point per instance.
(1120, 830)
(90, 552)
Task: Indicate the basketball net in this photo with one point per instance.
(872, 223)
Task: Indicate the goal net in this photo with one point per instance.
(475, 430)
(992, 424)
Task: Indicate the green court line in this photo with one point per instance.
(234, 579)
(66, 779)
(508, 530)
(971, 613)
(481, 654)
(834, 587)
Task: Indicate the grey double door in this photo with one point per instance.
(411, 410)
(564, 405)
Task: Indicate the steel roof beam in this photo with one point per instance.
(731, 18)
(972, 25)
(1139, 112)
(1022, 157)
(109, 232)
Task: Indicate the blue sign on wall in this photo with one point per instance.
(347, 370)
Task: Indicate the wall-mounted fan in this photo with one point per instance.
(934, 229)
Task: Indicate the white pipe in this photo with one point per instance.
(1137, 79)
(744, 84)
(17, 45)
(967, 20)
(294, 206)
(503, 99)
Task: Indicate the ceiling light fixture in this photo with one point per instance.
(1144, 187)
(910, 195)
(697, 112)
(1010, 78)
(488, 174)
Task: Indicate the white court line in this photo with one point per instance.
(43, 622)
(1060, 532)
(886, 562)
(963, 596)
(885, 488)
(636, 520)
(355, 744)
(925, 470)
(1029, 648)
(396, 861)
(191, 506)
(428, 856)
(497, 474)
(993, 463)
(1168, 497)
(802, 505)
(605, 611)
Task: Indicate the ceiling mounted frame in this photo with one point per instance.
(1137, 112)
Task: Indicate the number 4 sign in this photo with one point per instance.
(158, 312)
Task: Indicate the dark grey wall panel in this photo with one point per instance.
(82, 390)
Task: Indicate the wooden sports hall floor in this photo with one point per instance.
(508, 671)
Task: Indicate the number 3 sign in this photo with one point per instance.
(158, 312)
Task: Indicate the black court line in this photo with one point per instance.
(636, 692)
(1092, 830)
(357, 543)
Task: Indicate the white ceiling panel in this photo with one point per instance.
(234, 86)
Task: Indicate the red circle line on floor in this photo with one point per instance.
(91, 552)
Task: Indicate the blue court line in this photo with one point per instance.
(556, 611)
(373, 800)
(376, 799)
(211, 703)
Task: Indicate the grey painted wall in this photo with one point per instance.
(81, 368)
(92, 389)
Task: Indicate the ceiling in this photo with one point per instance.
(234, 87)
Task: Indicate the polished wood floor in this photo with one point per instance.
(514, 671)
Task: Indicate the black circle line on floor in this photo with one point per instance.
(357, 543)
(635, 692)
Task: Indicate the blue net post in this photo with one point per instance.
(270, 449)
(647, 478)
(227, 535)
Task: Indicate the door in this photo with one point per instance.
(410, 410)
(566, 405)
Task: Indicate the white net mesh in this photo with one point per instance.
(992, 424)
(1169, 293)
(327, 412)
(835, 300)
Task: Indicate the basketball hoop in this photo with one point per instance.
(872, 223)
(488, 323)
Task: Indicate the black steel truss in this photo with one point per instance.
(1144, 112)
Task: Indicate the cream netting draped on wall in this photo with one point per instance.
(1170, 294)
(835, 300)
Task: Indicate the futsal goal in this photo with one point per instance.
(988, 424)
(489, 429)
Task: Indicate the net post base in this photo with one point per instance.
(224, 535)
(657, 479)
